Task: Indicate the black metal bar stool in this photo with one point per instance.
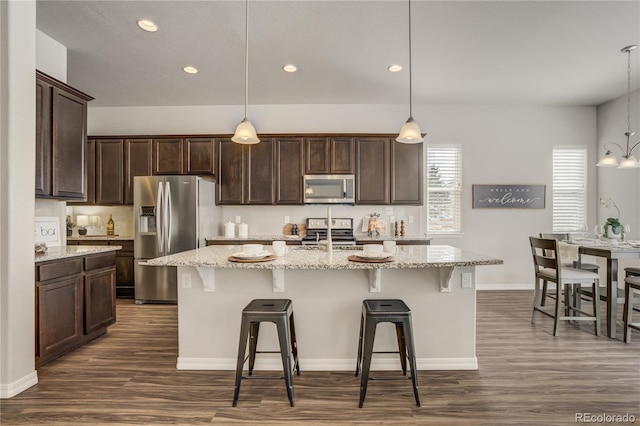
(279, 312)
(631, 285)
(375, 311)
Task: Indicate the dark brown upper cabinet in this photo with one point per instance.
(109, 171)
(289, 170)
(259, 168)
(333, 155)
(199, 156)
(372, 170)
(230, 172)
(138, 161)
(61, 135)
(406, 173)
(168, 156)
(245, 172)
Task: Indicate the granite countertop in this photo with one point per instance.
(273, 237)
(393, 238)
(310, 257)
(62, 252)
(76, 237)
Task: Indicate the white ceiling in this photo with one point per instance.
(474, 52)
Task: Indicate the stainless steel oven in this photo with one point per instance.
(329, 189)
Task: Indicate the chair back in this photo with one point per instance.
(545, 255)
(555, 235)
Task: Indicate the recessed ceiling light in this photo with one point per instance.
(148, 25)
(190, 70)
(395, 68)
(290, 68)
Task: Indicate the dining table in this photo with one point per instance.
(612, 252)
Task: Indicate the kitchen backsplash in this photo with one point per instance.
(262, 220)
(269, 220)
(99, 215)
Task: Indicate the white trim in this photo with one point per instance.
(275, 364)
(525, 286)
(12, 389)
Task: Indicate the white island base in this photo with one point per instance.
(327, 307)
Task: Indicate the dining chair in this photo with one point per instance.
(560, 236)
(631, 286)
(548, 268)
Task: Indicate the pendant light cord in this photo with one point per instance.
(410, 67)
(246, 57)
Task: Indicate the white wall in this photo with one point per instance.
(17, 182)
(51, 57)
(623, 185)
(500, 145)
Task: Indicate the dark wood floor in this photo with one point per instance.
(526, 377)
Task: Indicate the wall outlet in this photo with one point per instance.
(466, 280)
(238, 219)
(410, 219)
(185, 280)
(286, 220)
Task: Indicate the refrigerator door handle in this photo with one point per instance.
(168, 216)
(160, 218)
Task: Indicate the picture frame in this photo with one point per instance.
(47, 230)
(509, 196)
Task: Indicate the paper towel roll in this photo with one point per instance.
(229, 230)
(243, 230)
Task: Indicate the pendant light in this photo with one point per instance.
(245, 132)
(628, 160)
(410, 132)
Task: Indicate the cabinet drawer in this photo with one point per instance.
(101, 261)
(59, 269)
(126, 245)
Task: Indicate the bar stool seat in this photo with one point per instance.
(631, 285)
(279, 312)
(375, 311)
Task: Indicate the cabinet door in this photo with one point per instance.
(43, 138)
(317, 156)
(372, 170)
(259, 167)
(137, 162)
(58, 316)
(90, 167)
(69, 118)
(230, 176)
(109, 173)
(99, 299)
(342, 156)
(199, 156)
(406, 173)
(167, 156)
(289, 170)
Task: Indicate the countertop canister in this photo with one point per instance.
(243, 230)
(229, 230)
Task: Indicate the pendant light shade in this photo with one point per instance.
(628, 160)
(410, 132)
(245, 132)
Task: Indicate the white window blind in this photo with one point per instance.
(444, 187)
(569, 188)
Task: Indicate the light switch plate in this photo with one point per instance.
(466, 280)
(238, 219)
(286, 219)
(186, 280)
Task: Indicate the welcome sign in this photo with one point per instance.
(509, 196)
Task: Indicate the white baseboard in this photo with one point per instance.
(328, 364)
(12, 389)
(527, 286)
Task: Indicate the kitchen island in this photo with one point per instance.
(327, 289)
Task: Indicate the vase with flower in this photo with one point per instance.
(613, 229)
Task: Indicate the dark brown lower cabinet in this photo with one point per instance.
(75, 303)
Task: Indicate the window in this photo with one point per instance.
(569, 188)
(444, 187)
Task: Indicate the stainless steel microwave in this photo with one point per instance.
(329, 189)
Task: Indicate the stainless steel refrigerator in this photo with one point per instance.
(171, 214)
